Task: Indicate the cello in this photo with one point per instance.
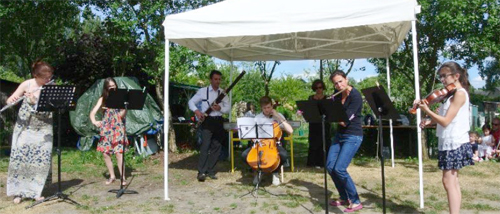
(264, 154)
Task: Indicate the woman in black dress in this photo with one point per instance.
(315, 155)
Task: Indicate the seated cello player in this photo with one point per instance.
(269, 112)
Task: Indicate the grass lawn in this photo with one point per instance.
(84, 173)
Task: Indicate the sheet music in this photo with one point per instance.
(255, 128)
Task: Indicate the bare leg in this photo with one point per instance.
(109, 165)
(452, 187)
(119, 160)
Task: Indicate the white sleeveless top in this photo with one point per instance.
(457, 132)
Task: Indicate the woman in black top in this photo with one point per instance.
(345, 144)
(315, 155)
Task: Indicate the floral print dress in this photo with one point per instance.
(31, 152)
(113, 133)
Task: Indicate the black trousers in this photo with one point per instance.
(315, 153)
(212, 134)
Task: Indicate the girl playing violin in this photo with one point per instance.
(269, 112)
(452, 131)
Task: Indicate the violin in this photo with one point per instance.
(436, 96)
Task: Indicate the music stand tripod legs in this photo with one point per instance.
(58, 194)
(259, 176)
(121, 191)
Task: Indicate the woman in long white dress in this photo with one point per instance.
(31, 150)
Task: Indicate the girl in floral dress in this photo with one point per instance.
(31, 149)
(112, 131)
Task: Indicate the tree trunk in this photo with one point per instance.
(425, 151)
(172, 144)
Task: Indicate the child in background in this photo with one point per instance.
(486, 143)
(473, 140)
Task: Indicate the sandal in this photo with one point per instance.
(110, 180)
(17, 200)
(353, 209)
(338, 202)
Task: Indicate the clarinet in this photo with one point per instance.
(219, 98)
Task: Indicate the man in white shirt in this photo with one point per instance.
(212, 127)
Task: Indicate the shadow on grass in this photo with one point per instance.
(373, 201)
(52, 188)
(189, 162)
(128, 172)
(316, 194)
(426, 167)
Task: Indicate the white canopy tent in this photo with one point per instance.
(267, 30)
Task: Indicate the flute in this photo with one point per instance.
(22, 98)
(333, 95)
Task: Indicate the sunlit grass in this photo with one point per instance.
(301, 190)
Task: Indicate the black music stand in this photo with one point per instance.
(323, 111)
(252, 129)
(382, 106)
(128, 99)
(57, 98)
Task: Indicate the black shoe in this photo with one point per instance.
(201, 177)
(213, 177)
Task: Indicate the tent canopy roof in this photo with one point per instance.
(251, 30)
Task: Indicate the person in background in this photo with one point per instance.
(473, 140)
(112, 131)
(250, 110)
(31, 151)
(495, 132)
(315, 156)
(346, 143)
(452, 131)
(212, 130)
(486, 144)
(269, 112)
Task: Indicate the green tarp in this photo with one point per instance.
(138, 121)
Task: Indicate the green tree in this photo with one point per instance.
(266, 73)
(492, 74)
(452, 29)
(288, 89)
(443, 28)
(132, 21)
(29, 30)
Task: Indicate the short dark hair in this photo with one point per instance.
(338, 72)
(486, 126)
(213, 72)
(316, 82)
(265, 100)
